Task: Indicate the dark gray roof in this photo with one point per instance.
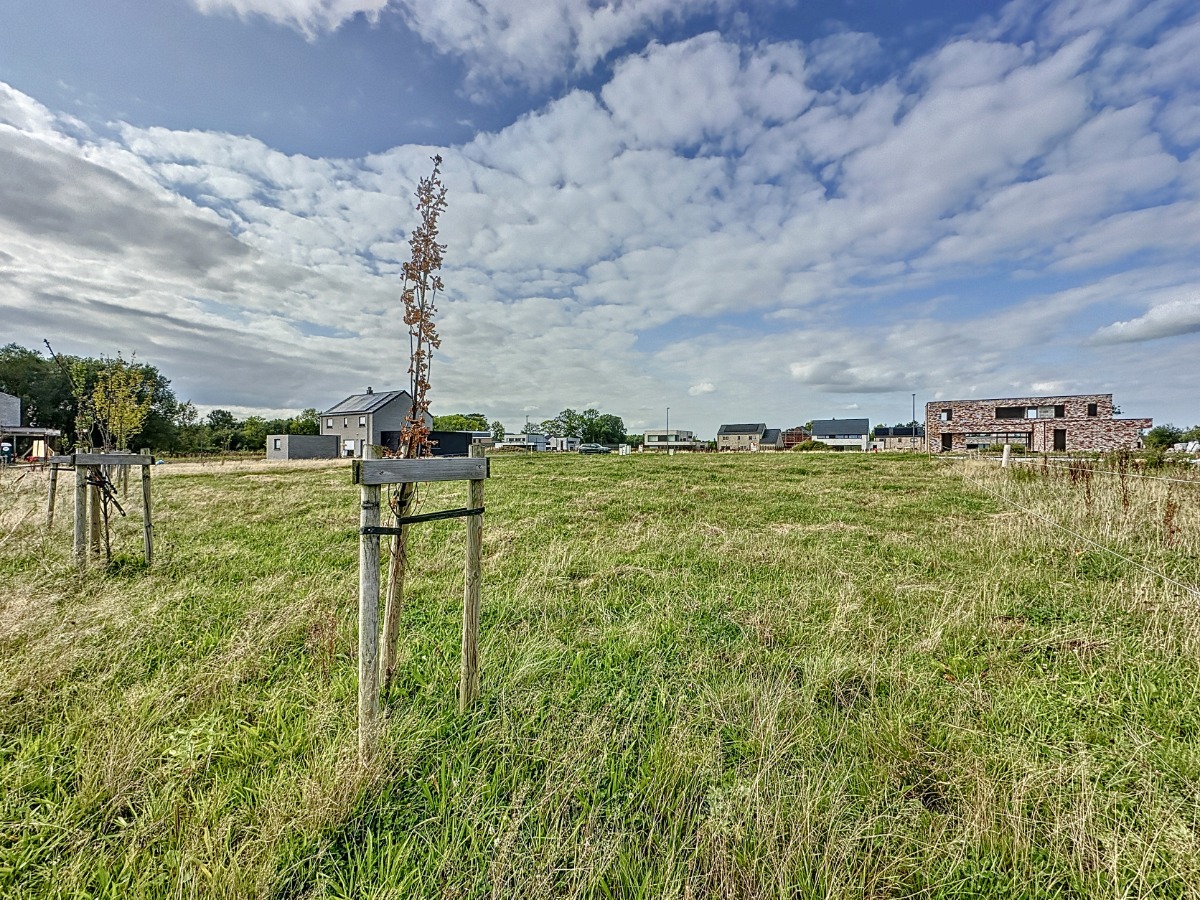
(752, 428)
(365, 403)
(840, 426)
(772, 435)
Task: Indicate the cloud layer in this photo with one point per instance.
(727, 229)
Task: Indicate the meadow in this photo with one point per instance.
(751, 676)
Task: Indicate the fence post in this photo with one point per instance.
(368, 624)
(50, 495)
(1007, 454)
(468, 683)
(81, 514)
(147, 524)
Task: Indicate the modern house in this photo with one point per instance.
(303, 446)
(369, 418)
(1040, 424)
(842, 434)
(670, 439)
(794, 436)
(740, 437)
(521, 441)
(10, 409)
(23, 442)
(899, 437)
(563, 444)
(772, 439)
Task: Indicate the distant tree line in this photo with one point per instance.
(591, 426)
(103, 402)
(1163, 436)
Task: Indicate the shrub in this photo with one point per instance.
(811, 445)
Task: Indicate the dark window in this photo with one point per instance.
(1010, 412)
(1060, 411)
(1060, 439)
(947, 415)
(1093, 409)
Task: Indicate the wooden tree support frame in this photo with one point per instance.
(87, 468)
(371, 475)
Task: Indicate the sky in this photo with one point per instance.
(770, 211)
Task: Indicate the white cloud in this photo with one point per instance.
(1178, 317)
(704, 387)
(310, 17)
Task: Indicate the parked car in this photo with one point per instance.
(593, 448)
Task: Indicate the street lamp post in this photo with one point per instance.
(914, 421)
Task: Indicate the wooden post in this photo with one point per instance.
(1005, 458)
(147, 526)
(81, 514)
(468, 682)
(94, 501)
(50, 495)
(394, 593)
(368, 624)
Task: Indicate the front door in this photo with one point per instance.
(947, 442)
(1060, 439)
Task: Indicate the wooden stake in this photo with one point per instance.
(50, 495)
(94, 511)
(368, 625)
(468, 682)
(81, 514)
(1007, 454)
(394, 599)
(147, 527)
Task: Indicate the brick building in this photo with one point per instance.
(1040, 424)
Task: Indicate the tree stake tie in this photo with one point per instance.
(422, 517)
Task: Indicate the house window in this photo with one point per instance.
(1010, 412)
(329, 423)
(1093, 409)
(362, 420)
(277, 443)
(1048, 412)
(946, 415)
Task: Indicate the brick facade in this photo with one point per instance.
(1042, 424)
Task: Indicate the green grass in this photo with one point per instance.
(816, 675)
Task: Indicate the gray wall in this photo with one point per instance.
(302, 446)
(10, 409)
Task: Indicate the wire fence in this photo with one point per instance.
(1191, 590)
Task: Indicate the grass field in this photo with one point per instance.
(792, 675)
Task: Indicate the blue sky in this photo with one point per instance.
(744, 211)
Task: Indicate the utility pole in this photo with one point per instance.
(914, 421)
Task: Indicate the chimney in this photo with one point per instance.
(369, 390)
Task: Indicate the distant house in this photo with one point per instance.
(521, 441)
(899, 437)
(842, 434)
(369, 418)
(303, 446)
(10, 409)
(794, 436)
(740, 437)
(563, 444)
(23, 442)
(1040, 424)
(670, 439)
(772, 439)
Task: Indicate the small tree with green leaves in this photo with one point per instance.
(121, 400)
